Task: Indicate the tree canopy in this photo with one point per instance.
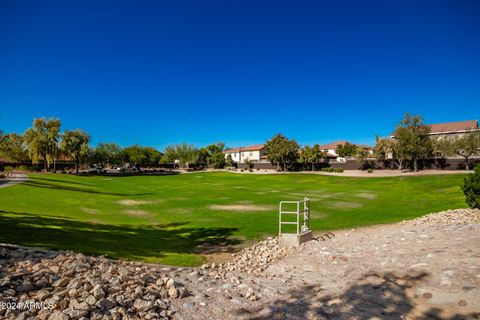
(281, 151)
(12, 147)
(413, 140)
(311, 155)
(183, 153)
(346, 150)
(465, 146)
(75, 144)
(42, 140)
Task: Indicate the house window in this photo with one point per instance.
(234, 154)
(251, 154)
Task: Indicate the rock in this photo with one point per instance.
(123, 272)
(91, 300)
(189, 305)
(58, 315)
(170, 283)
(9, 292)
(173, 292)
(98, 292)
(61, 282)
(427, 295)
(462, 303)
(142, 305)
(106, 304)
(73, 293)
(24, 287)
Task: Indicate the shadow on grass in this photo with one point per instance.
(139, 242)
(374, 296)
(37, 177)
(57, 186)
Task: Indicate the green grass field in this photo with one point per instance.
(174, 219)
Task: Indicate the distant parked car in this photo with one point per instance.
(96, 170)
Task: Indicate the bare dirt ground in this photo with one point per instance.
(427, 268)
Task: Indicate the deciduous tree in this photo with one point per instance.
(465, 146)
(346, 150)
(75, 144)
(311, 155)
(413, 140)
(281, 151)
(184, 153)
(12, 148)
(42, 140)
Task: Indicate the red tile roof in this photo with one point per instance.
(333, 145)
(453, 126)
(256, 147)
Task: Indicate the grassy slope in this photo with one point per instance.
(174, 221)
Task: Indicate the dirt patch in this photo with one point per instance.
(89, 210)
(137, 212)
(344, 205)
(239, 207)
(366, 195)
(129, 202)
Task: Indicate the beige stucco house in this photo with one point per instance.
(255, 153)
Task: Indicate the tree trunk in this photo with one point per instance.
(313, 164)
(285, 166)
(399, 165)
(76, 166)
(467, 167)
(415, 166)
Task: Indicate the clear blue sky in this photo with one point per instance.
(160, 72)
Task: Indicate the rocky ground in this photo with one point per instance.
(428, 268)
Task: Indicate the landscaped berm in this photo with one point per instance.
(179, 219)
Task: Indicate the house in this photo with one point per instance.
(331, 148)
(255, 153)
(451, 130)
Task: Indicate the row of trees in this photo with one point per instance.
(44, 142)
(283, 152)
(412, 142)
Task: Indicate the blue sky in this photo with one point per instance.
(161, 72)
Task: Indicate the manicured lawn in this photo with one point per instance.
(173, 219)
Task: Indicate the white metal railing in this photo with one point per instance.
(303, 207)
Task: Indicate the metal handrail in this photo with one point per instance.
(305, 211)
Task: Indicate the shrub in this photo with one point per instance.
(24, 167)
(471, 188)
(339, 170)
(370, 170)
